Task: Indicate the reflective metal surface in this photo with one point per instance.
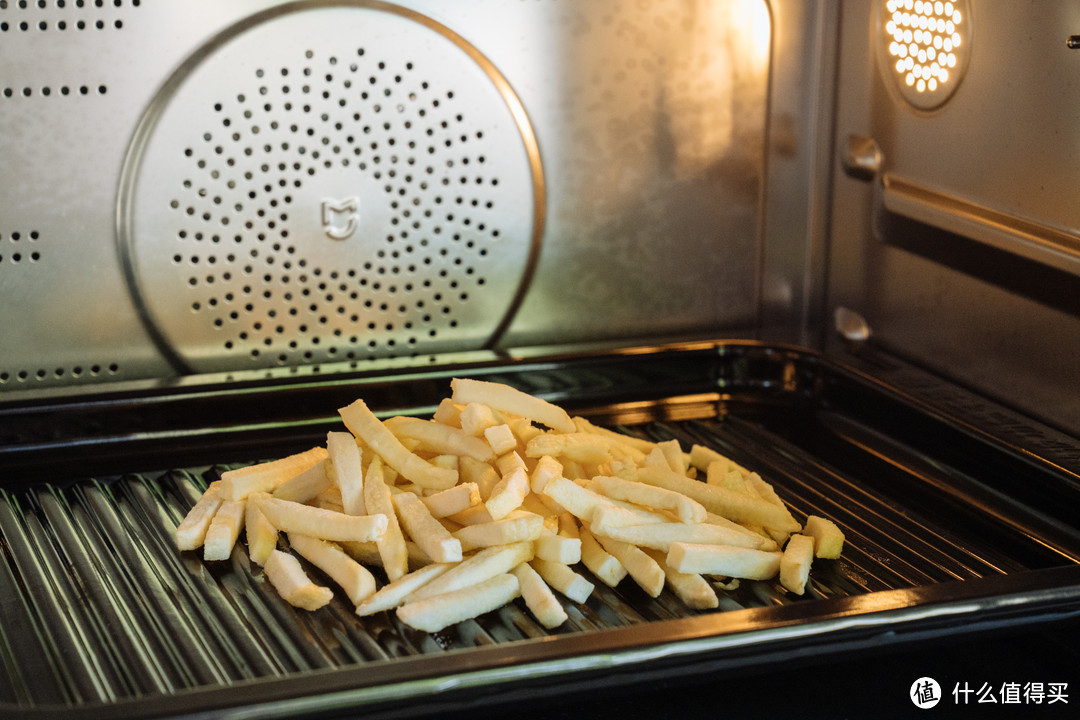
(632, 211)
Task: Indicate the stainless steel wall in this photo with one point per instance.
(960, 248)
(177, 176)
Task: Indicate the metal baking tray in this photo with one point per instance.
(956, 513)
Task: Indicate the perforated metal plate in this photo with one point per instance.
(329, 182)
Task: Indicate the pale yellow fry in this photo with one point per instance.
(583, 502)
(426, 531)
(642, 569)
(640, 444)
(677, 460)
(365, 425)
(578, 447)
(562, 577)
(509, 462)
(568, 526)
(473, 515)
(191, 532)
(687, 510)
(557, 548)
(391, 595)
(265, 477)
(515, 527)
(828, 538)
(392, 549)
(660, 536)
(500, 438)
(508, 494)
(600, 562)
(306, 485)
(694, 590)
(573, 498)
(224, 530)
(355, 579)
(795, 563)
(757, 533)
(436, 613)
(448, 413)
(293, 517)
(478, 417)
(476, 568)
(261, 534)
(539, 598)
(732, 505)
(439, 438)
(725, 560)
(482, 474)
(700, 457)
(348, 471)
(767, 493)
(453, 500)
(511, 400)
(546, 468)
(292, 583)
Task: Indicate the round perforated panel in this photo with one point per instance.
(330, 183)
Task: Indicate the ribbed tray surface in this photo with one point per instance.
(99, 606)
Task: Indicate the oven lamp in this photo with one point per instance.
(924, 46)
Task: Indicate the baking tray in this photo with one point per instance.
(956, 511)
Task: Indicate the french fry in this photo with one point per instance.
(660, 536)
(795, 563)
(732, 505)
(557, 548)
(356, 580)
(476, 568)
(448, 413)
(726, 560)
(392, 549)
(700, 457)
(508, 494)
(293, 517)
(291, 582)
(500, 438)
(445, 503)
(546, 468)
(391, 595)
(365, 425)
(224, 530)
(434, 539)
(477, 417)
(642, 569)
(828, 538)
(687, 510)
(511, 400)
(600, 562)
(265, 477)
(515, 527)
(694, 590)
(539, 598)
(261, 534)
(436, 613)
(643, 446)
(191, 532)
(578, 447)
(439, 438)
(348, 471)
(306, 485)
(482, 474)
(562, 577)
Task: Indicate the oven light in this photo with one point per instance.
(924, 46)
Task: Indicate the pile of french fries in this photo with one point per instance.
(501, 494)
